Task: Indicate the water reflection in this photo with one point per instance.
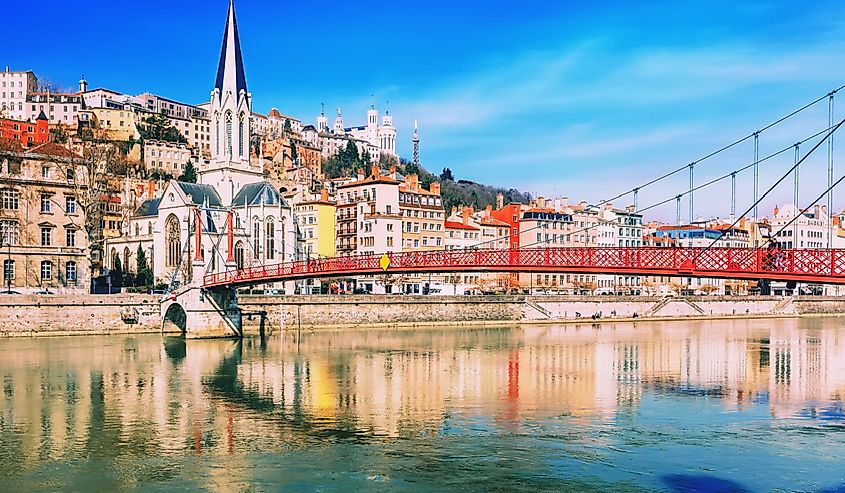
(645, 406)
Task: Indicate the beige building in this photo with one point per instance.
(44, 244)
(166, 157)
(117, 123)
(422, 215)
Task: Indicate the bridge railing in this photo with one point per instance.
(680, 261)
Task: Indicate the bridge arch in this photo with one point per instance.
(175, 316)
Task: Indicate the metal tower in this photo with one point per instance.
(416, 145)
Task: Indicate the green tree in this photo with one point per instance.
(294, 153)
(116, 272)
(145, 274)
(447, 175)
(288, 128)
(158, 127)
(189, 174)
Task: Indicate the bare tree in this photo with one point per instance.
(94, 178)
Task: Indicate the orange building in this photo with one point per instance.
(27, 133)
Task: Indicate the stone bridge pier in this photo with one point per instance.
(202, 313)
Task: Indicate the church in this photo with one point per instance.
(230, 192)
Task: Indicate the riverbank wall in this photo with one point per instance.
(35, 315)
(268, 314)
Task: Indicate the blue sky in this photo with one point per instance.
(558, 98)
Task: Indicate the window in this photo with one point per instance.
(269, 238)
(46, 270)
(172, 241)
(70, 205)
(8, 271)
(241, 136)
(8, 233)
(70, 272)
(11, 199)
(45, 172)
(229, 133)
(70, 237)
(46, 236)
(256, 237)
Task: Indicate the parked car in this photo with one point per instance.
(9, 292)
(44, 291)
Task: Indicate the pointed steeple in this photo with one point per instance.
(230, 70)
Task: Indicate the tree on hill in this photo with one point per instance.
(189, 174)
(158, 127)
(345, 163)
(447, 175)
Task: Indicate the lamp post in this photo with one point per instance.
(7, 269)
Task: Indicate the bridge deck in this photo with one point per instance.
(804, 265)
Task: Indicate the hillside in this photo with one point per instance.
(454, 193)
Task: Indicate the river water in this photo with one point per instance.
(736, 405)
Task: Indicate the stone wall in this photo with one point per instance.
(78, 314)
(272, 313)
(67, 314)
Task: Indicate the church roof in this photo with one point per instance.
(231, 62)
(258, 194)
(200, 194)
(148, 208)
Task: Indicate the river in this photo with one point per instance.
(731, 405)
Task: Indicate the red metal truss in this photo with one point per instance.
(804, 265)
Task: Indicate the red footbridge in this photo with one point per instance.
(824, 266)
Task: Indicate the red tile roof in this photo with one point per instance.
(456, 225)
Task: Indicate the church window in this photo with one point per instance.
(217, 127)
(172, 242)
(269, 237)
(229, 133)
(239, 255)
(256, 237)
(241, 136)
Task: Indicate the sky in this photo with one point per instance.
(557, 98)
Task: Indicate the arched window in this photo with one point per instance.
(172, 241)
(113, 257)
(150, 228)
(137, 229)
(229, 133)
(217, 128)
(239, 255)
(256, 238)
(269, 239)
(241, 136)
(70, 272)
(213, 258)
(126, 259)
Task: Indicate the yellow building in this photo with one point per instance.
(119, 124)
(317, 226)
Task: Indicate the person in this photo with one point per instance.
(777, 256)
(769, 258)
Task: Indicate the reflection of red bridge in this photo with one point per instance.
(804, 265)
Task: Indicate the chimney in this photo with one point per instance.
(465, 213)
(324, 195)
(454, 210)
(434, 188)
(541, 202)
(817, 211)
(360, 175)
(488, 210)
(776, 211)
(375, 171)
(411, 181)
(393, 172)
(500, 200)
(151, 189)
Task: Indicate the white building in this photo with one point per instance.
(376, 138)
(14, 88)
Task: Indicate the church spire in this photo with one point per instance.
(230, 69)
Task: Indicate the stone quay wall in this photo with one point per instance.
(34, 315)
(269, 314)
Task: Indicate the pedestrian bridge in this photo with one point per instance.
(825, 266)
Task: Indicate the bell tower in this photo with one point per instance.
(231, 107)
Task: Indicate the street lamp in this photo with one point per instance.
(7, 269)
